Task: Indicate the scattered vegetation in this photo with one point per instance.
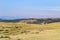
(2, 36)
(28, 31)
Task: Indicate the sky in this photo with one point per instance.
(12, 9)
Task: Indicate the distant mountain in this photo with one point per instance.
(15, 20)
(33, 20)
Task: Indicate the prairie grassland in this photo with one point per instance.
(23, 31)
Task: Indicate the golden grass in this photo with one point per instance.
(25, 31)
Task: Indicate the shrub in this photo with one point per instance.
(18, 39)
(1, 37)
(16, 26)
(37, 32)
(7, 37)
(1, 30)
(4, 37)
(6, 31)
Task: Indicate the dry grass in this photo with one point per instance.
(22, 31)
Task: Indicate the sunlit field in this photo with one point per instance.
(23, 31)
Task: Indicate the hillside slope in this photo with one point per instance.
(23, 31)
(33, 20)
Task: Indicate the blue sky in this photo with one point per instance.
(29, 8)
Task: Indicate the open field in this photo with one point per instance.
(22, 31)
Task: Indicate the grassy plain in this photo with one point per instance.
(23, 31)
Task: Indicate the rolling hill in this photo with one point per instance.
(33, 20)
(30, 29)
(23, 31)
